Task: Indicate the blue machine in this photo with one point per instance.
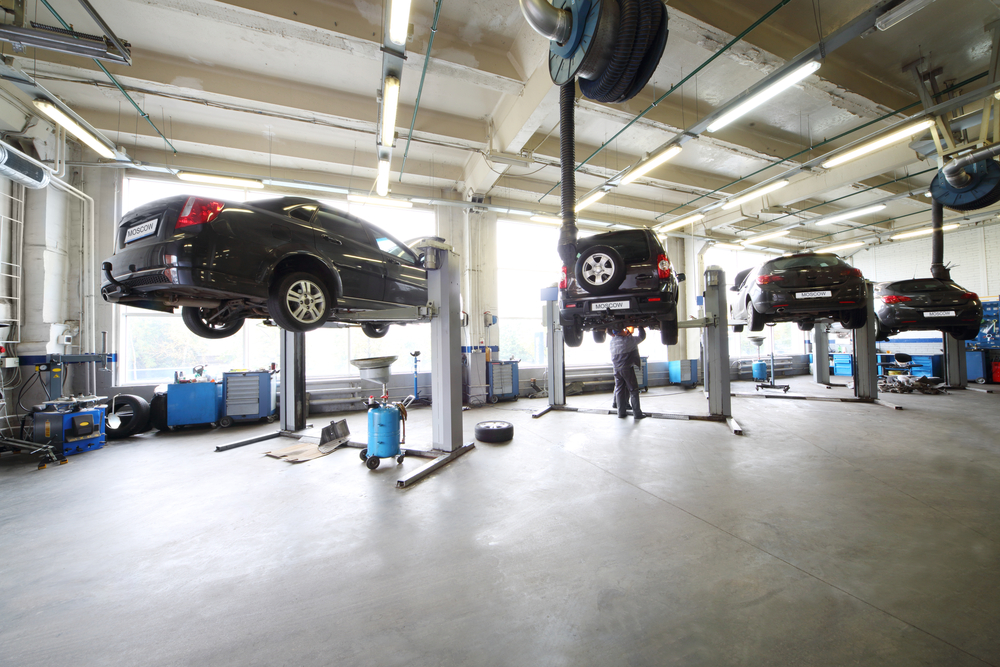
(193, 403)
(248, 395)
(69, 431)
(385, 421)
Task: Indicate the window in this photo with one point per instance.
(389, 245)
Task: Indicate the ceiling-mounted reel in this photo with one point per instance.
(613, 46)
(979, 188)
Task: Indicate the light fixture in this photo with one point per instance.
(677, 224)
(764, 237)
(650, 164)
(399, 21)
(849, 215)
(379, 201)
(923, 232)
(587, 201)
(872, 146)
(390, 100)
(74, 128)
(212, 179)
(728, 246)
(546, 219)
(843, 246)
(760, 192)
(900, 13)
(382, 179)
(771, 91)
(299, 185)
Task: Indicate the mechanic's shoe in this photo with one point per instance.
(641, 416)
(622, 415)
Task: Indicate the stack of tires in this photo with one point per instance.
(134, 413)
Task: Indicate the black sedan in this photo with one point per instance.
(927, 304)
(290, 259)
(803, 288)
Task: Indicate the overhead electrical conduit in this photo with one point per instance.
(420, 90)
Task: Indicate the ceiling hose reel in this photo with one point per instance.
(613, 47)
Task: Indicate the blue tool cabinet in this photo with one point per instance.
(193, 403)
(248, 394)
(843, 364)
(501, 376)
(927, 365)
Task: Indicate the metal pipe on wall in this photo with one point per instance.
(549, 22)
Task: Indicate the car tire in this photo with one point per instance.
(755, 318)
(737, 328)
(854, 319)
(668, 332)
(600, 335)
(965, 333)
(373, 330)
(600, 270)
(572, 335)
(494, 431)
(309, 292)
(194, 320)
(134, 413)
(806, 326)
(158, 412)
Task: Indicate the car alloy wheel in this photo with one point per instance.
(299, 302)
(600, 270)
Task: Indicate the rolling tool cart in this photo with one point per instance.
(248, 396)
(501, 376)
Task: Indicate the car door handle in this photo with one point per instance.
(393, 261)
(331, 239)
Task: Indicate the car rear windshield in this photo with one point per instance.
(805, 262)
(633, 246)
(919, 286)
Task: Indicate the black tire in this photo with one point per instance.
(600, 335)
(133, 412)
(600, 270)
(494, 431)
(965, 333)
(572, 335)
(755, 318)
(364, 454)
(196, 319)
(854, 319)
(225, 421)
(372, 462)
(373, 330)
(309, 292)
(158, 412)
(806, 326)
(493, 398)
(668, 332)
(737, 328)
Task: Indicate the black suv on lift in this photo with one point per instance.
(621, 279)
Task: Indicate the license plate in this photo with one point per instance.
(939, 313)
(141, 230)
(610, 305)
(813, 295)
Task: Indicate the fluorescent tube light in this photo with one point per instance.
(650, 164)
(382, 180)
(923, 232)
(379, 201)
(390, 100)
(546, 219)
(872, 146)
(74, 128)
(683, 222)
(399, 21)
(728, 246)
(849, 215)
(771, 91)
(211, 179)
(760, 192)
(587, 201)
(764, 237)
(900, 13)
(316, 187)
(842, 246)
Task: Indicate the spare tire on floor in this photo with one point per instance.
(158, 412)
(133, 412)
(494, 431)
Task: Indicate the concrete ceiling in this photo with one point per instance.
(287, 90)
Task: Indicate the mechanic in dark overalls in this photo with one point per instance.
(625, 357)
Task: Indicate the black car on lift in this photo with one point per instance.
(289, 259)
(620, 279)
(926, 304)
(802, 288)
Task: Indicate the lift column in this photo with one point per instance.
(821, 354)
(955, 370)
(555, 359)
(716, 337)
(865, 358)
(293, 381)
(446, 363)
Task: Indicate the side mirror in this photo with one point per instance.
(420, 259)
(681, 277)
(734, 288)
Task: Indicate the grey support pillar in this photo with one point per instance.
(555, 359)
(865, 359)
(821, 354)
(446, 365)
(293, 381)
(717, 344)
(955, 371)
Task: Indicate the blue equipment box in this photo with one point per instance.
(71, 432)
(193, 403)
(248, 395)
(683, 372)
(502, 378)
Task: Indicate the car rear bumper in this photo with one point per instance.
(914, 318)
(588, 314)
(777, 301)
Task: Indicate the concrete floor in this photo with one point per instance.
(830, 534)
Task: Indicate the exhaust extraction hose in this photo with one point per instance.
(567, 162)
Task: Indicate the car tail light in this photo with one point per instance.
(663, 266)
(892, 298)
(652, 300)
(969, 295)
(851, 272)
(767, 280)
(198, 211)
(562, 281)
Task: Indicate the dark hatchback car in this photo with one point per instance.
(926, 304)
(290, 259)
(803, 288)
(620, 279)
